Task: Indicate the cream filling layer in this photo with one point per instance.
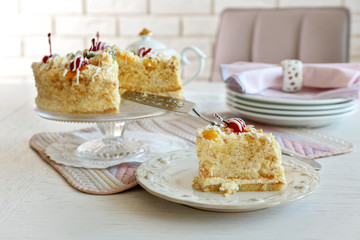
(217, 180)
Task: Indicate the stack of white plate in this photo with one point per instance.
(290, 112)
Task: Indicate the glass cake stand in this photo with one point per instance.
(112, 146)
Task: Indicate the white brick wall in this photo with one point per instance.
(162, 26)
(200, 26)
(180, 6)
(355, 46)
(38, 46)
(51, 7)
(116, 6)
(354, 5)
(15, 67)
(11, 47)
(85, 25)
(11, 7)
(177, 23)
(355, 26)
(22, 25)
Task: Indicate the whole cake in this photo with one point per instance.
(238, 157)
(92, 81)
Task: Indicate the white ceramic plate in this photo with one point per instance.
(235, 103)
(169, 176)
(289, 121)
(292, 107)
(287, 101)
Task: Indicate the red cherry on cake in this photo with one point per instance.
(102, 45)
(143, 51)
(45, 58)
(78, 62)
(93, 46)
(96, 46)
(235, 124)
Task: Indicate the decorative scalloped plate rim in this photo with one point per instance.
(169, 176)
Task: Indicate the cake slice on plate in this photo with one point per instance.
(238, 157)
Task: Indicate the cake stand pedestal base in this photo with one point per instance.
(112, 145)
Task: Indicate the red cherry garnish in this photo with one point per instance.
(143, 51)
(96, 46)
(235, 124)
(93, 45)
(45, 58)
(78, 62)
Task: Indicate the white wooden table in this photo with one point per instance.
(37, 203)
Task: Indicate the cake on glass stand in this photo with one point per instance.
(112, 146)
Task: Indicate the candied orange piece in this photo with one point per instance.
(83, 68)
(125, 57)
(149, 64)
(130, 59)
(210, 134)
(71, 74)
(119, 55)
(204, 170)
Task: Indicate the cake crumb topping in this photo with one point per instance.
(211, 132)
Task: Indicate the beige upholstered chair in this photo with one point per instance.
(313, 35)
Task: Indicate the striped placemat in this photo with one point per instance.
(304, 142)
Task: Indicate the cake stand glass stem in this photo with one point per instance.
(112, 130)
(112, 145)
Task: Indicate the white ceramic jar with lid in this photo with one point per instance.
(156, 46)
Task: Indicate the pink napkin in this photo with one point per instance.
(329, 80)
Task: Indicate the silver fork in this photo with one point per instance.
(213, 123)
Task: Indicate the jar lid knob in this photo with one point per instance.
(146, 32)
